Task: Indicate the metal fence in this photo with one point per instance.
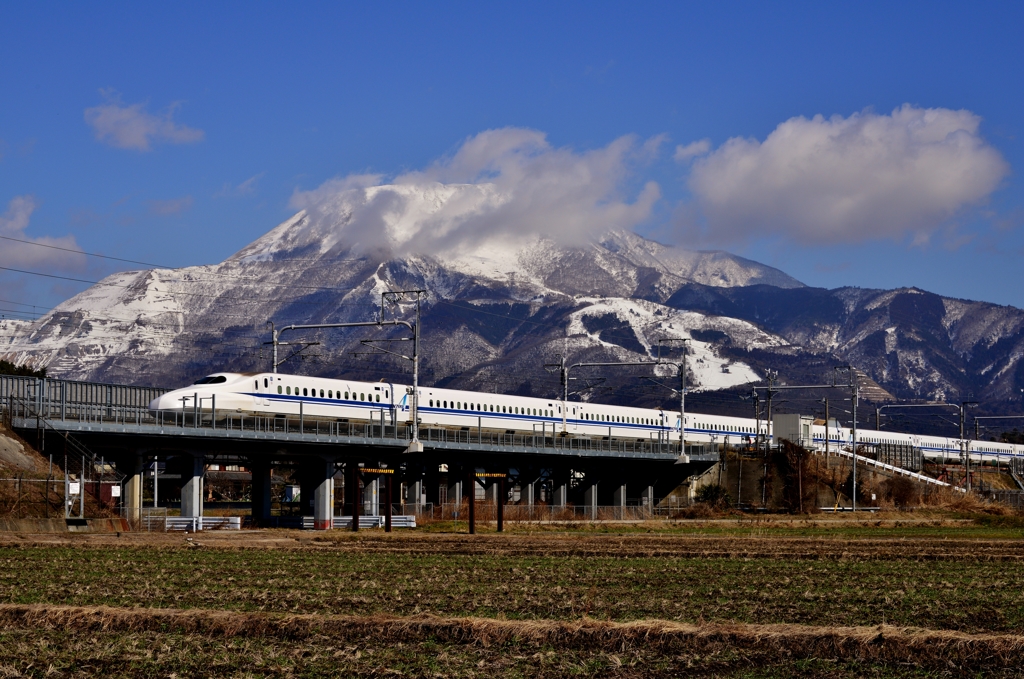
(56, 398)
(23, 497)
(542, 513)
(1013, 498)
(32, 399)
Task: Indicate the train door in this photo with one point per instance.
(262, 395)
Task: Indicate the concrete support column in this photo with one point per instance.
(491, 492)
(619, 500)
(526, 494)
(415, 495)
(322, 473)
(133, 490)
(455, 492)
(590, 500)
(260, 493)
(559, 492)
(371, 497)
(192, 469)
(647, 499)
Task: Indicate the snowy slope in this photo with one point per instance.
(501, 307)
(330, 263)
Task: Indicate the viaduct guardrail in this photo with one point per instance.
(86, 408)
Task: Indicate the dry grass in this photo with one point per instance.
(883, 645)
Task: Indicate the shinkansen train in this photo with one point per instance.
(274, 394)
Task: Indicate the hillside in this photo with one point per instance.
(498, 310)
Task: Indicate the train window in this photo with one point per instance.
(321, 393)
(279, 388)
(288, 389)
(330, 393)
(362, 396)
(378, 398)
(431, 403)
(503, 409)
(265, 385)
(385, 393)
(305, 392)
(346, 395)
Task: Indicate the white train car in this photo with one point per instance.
(271, 394)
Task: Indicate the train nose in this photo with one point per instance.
(164, 402)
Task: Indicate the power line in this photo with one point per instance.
(82, 252)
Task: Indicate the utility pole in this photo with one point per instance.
(856, 395)
(564, 370)
(394, 295)
(682, 387)
(771, 375)
(827, 435)
(965, 446)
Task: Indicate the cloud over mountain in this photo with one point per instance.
(842, 180)
(507, 184)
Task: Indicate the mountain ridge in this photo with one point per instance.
(500, 308)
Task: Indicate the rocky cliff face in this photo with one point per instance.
(498, 309)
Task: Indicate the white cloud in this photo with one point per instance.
(505, 183)
(132, 127)
(246, 188)
(697, 148)
(60, 253)
(844, 180)
(170, 207)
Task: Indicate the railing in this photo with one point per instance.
(342, 522)
(1013, 498)
(545, 513)
(58, 398)
(48, 410)
(888, 468)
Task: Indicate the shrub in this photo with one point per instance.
(713, 495)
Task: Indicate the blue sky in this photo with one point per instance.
(177, 134)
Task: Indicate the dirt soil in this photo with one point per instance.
(18, 457)
(885, 596)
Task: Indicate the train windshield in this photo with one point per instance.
(211, 379)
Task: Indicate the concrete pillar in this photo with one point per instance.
(322, 473)
(559, 492)
(455, 492)
(619, 500)
(371, 497)
(526, 494)
(491, 492)
(192, 469)
(590, 499)
(133, 490)
(260, 492)
(415, 495)
(647, 499)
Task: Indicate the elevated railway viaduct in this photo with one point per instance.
(112, 423)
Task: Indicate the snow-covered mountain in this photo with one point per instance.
(502, 303)
(496, 311)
